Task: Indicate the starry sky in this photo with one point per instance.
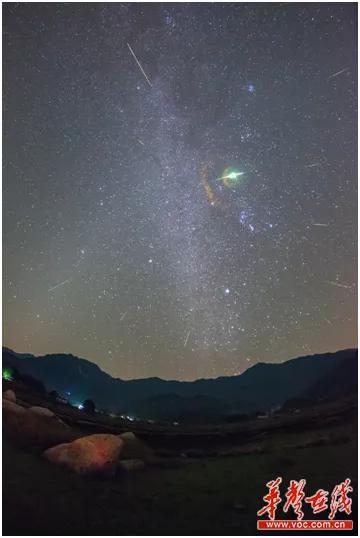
(179, 183)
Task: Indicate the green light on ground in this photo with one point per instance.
(7, 374)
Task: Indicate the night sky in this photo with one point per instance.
(179, 183)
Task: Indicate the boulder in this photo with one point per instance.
(131, 465)
(134, 448)
(10, 407)
(9, 395)
(128, 436)
(30, 430)
(42, 411)
(93, 454)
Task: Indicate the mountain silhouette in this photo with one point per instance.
(262, 387)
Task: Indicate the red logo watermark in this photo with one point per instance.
(295, 500)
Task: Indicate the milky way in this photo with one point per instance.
(121, 244)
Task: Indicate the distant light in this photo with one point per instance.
(251, 88)
(227, 291)
(80, 406)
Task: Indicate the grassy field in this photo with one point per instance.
(208, 495)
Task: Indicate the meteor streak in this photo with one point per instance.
(58, 285)
(187, 338)
(332, 283)
(232, 175)
(312, 165)
(139, 64)
(338, 73)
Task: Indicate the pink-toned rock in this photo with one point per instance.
(93, 454)
(9, 395)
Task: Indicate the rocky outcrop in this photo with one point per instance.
(42, 411)
(9, 395)
(29, 429)
(9, 407)
(135, 449)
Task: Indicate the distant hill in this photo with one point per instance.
(261, 387)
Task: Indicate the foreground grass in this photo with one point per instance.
(205, 496)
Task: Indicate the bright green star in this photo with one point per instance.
(233, 176)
